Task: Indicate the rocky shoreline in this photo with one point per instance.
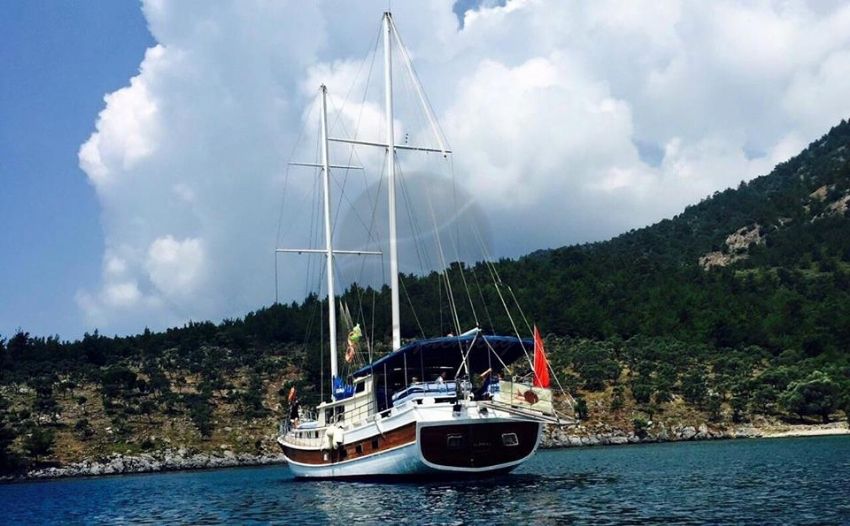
(182, 459)
(167, 460)
(555, 437)
(560, 437)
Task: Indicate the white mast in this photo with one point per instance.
(388, 94)
(329, 253)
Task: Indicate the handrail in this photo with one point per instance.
(528, 413)
(425, 388)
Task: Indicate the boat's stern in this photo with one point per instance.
(478, 446)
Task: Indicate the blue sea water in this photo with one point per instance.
(778, 481)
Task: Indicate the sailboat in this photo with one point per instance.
(386, 418)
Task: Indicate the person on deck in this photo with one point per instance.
(441, 381)
(483, 392)
(293, 412)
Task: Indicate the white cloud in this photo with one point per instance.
(121, 294)
(176, 268)
(519, 125)
(127, 129)
(815, 92)
(114, 266)
(544, 103)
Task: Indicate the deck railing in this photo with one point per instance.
(418, 390)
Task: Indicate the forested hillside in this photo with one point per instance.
(736, 310)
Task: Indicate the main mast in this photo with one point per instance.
(329, 252)
(390, 146)
(388, 99)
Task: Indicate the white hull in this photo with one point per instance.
(396, 462)
(407, 458)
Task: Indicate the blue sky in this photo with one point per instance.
(143, 145)
(58, 60)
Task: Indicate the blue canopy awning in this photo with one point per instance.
(431, 355)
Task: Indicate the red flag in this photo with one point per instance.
(541, 364)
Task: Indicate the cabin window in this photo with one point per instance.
(454, 441)
(329, 416)
(510, 439)
(374, 443)
(359, 388)
(358, 449)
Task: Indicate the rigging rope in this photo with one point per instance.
(406, 199)
(457, 249)
(412, 309)
(449, 293)
(288, 167)
(483, 301)
(496, 281)
(422, 95)
(284, 194)
(313, 238)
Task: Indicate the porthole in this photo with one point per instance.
(510, 439)
(454, 441)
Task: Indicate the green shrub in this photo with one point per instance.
(816, 395)
(84, 429)
(39, 442)
(640, 426)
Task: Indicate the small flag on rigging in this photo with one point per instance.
(353, 343)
